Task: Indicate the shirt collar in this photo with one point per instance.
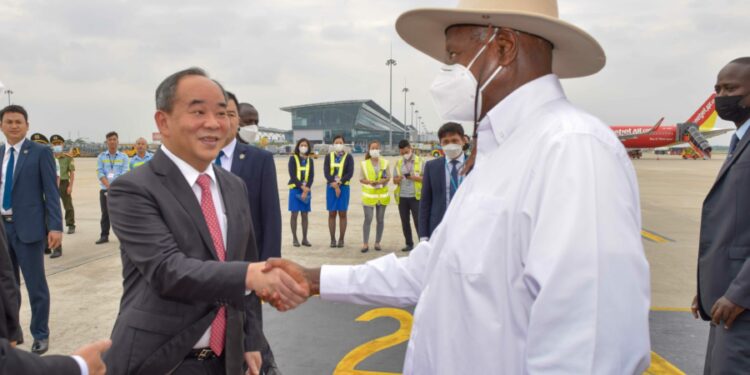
(505, 117)
(16, 146)
(743, 129)
(229, 149)
(191, 174)
(461, 158)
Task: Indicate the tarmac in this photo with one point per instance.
(332, 338)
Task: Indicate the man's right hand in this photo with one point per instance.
(694, 308)
(92, 355)
(276, 286)
(306, 277)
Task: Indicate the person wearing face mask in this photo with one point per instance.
(66, 176)
(301, 177)
(537, 266)
(442, 177)
(723, 293)
(338, 169)
(375, 198)
(407, 176)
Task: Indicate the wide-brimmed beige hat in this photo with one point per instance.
(575, 52)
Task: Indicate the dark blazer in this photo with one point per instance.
(16, 361)
(432, 205)
(348, 169)
(36, 199)
(724, 247)
(173, 284)
(256, 168)
(293, 172)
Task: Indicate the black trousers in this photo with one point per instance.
(196, 367)
(105, 213)
(406, 206)
(728, 351)
(67, 201)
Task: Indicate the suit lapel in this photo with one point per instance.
(441, 183)
(234, 219)
(175, 182)
(2, 159)
(737, 152)
(238, 158)
(22, 156)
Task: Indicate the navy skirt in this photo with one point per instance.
(295, 202)
(337, 204)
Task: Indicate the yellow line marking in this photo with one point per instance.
(671, 309)
(660, 366)
(651, 236)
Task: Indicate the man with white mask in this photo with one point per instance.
(537, 266)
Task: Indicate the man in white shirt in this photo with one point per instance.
(537, 266)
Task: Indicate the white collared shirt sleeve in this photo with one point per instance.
(585, 263)
(81, 364)
(387, 280)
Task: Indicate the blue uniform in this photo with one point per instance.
(111, 167)
(137, 161)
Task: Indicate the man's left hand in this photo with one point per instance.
(70, 189)
(254, 362)
(726, 311)
(54, 239)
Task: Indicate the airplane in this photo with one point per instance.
(695, 132)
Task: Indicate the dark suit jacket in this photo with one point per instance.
(15, 361)
(173, 284)
(36, 199)
(256, 168)
(724, 248)
(432, 205)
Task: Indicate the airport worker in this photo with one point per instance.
(338, 169)
(86, 360)
(110, 165)
(407, 176)
(142, 155)
(31, 214)
(538, 265)
(256, 167)
(189, 256)
(301, 177)
(375, 198)
(723, 294)
(442, 178)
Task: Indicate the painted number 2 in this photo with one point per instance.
(348, 364)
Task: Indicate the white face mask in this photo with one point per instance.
(303, 150)
(454, 89)
(374, 153)
(249, 133)
(57, 149)
(453, 151)
(338, 147)
(407, 156)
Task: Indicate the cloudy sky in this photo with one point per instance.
(85, 67)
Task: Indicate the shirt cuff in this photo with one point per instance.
(334, 282)
(81, 364)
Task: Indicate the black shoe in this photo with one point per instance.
(341, 243)
(40, 346)
(295, 243)
(71, 229)
(377, 247)
(333, 243)
(57, 252)
(47, 251)
(101, 240)
(408, 248)
(365, 249)
(305, 242)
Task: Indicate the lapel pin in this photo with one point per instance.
(242, 156)
(25, 151)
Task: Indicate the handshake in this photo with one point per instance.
(282, 283)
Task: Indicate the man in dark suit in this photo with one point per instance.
(16, 361)
(257, 169)
(441, 179)
(723, 268)
(30, 199)
(187, 250)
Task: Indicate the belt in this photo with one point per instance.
(8, 218)
(203, 354)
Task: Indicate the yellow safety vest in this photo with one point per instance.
(417, 172)
(372, 196)
(306, 168)
(332, 163)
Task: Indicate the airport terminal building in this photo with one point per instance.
(359, 121)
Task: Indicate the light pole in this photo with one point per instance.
(412, 121)
(390, 63)
(9, 92)
(406, 129)
(412, 114)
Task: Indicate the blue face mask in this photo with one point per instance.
(57, 148)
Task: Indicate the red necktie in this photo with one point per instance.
(219, 325)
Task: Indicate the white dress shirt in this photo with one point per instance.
(191, 176)
(448, 166)
(537, 266)
(17, 148)
(226, 159)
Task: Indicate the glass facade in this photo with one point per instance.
(358, 121)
